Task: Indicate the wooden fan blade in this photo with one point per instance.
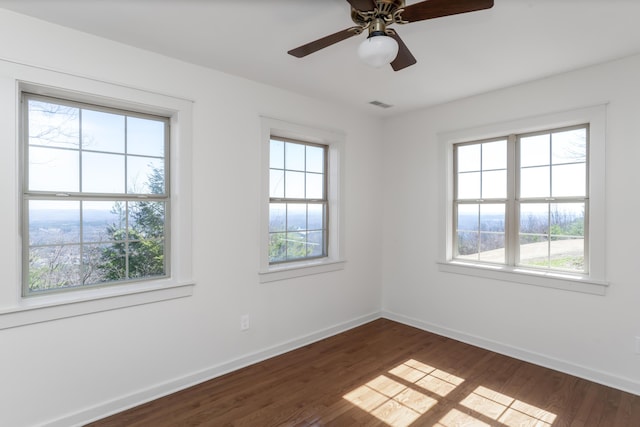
(405, 58)
(315, 46)
(362, 5)
(430, 9)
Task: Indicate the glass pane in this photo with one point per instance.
(534, 150)
(294, 156)
(494, 155)
(468, 158)
(315, 186)
(315, 159)
(492, 217)
(569, 180)
(534, 218)
(102, 173)
(54, 222)
(534, 250)
(276, 183)
(492, 247)
(569, 146)
(102, 131)
(276, 154)
(534, 182)
(145, 137)
(99, 263)
(468, 217)
(145, 175)
(567, 219)
(146, 220)
(315, 216)
(315, 243)
(54, 267)
(567, 253)
(296, 216)
(277, 217)
(468, 245)
(277, 247)
(53, 125)
(52, 169)
(494, 184)
(101, 220)
(294, 185)
(296, 245)
(469, 185)
(146, 258)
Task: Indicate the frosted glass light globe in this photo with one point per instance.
(379, 50)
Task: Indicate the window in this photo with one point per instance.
(95, 197)
(301, 194)
(548, 203)
(297, 200)
(524, 201)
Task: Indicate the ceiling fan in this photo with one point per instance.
(384, 45)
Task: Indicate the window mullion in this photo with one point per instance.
(512, 251)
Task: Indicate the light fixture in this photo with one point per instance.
(378, 49)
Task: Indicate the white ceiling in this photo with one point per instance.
(458, 56)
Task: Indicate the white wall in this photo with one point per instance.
(592, 336)
(73, 369)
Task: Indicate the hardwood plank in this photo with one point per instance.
(388, 374)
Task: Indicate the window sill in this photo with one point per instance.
(556, 280)
(46, 308)
(299, 269)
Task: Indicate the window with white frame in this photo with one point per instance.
(297, 200)
(95, 195)
(301, 216)
(524, 201)
(539, 222)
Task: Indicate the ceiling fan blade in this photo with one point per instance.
(362, 5)
(405, 58)
(430, 9)
(316, 45)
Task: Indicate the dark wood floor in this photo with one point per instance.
(387, 374)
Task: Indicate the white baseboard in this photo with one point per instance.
(587, 373)
(123, 403)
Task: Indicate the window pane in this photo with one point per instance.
(54, 222)
(296, 245)
(534, 150)
(315, 186)
(534, 182)
(534, 218)
(494, 155)
(492, 247)
(54, 267)
(52, 169)
(469, 185)
(296, 216)
(569, 180)
(468, 217)
(276, 183)
(468, 244)
(567, 219)
(494, 184)
(146, 220)
(567, 253)
(145, 175)
(277, 217)
(294, 185)
(294, 156)
(277, 247)
(53, 125)
(99, 261)
(492, 217)
(468, 158)
(315, 216)
(146, 258)
(102, 173)
(99, 217)
(315, 243)
(276, 154)
(102, 131)
(145, 137)
(569, 146)
(315, 159)
(534, 250)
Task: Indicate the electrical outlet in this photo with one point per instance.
(244, 322)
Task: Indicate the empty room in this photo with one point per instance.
(309, 213)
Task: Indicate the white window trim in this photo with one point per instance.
(335, 250)
(595, 281)
(16, 310)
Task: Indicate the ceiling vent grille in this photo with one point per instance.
(380, 104)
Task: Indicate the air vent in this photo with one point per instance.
(380, 104)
